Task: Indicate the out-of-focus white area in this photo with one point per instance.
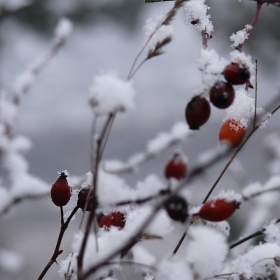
(55, 115)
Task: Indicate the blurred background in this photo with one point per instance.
(56, 117)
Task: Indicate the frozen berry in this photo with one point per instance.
(82, 199)
(60, 191)
(176, 168)
(232, 133)
(217, 210)
(116, 219)
(197, 112)
(236, 74)
(177, 208)
(222, 95)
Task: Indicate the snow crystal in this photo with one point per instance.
(240, 36)
(64, 28)
(243, 59)
(196, 14)
(109, 93)
(211, 66)
(162, 33)
(207, 249)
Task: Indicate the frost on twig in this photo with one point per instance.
(240, 36)
(178, 133)
(25, 80)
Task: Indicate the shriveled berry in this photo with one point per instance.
(236, 74)
(217, 210)
(177, 208)
(222, 95)
(176, 168)
(232, 133)
(116, 219)
(197, 112)
(82, 199)
(60, 191)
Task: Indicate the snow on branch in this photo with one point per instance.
(178, 133)
(26, 79)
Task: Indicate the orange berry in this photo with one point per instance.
(229, 134)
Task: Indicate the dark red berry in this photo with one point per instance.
(236, 74)
(82, 199)
(176, 168)
(60, 191)
(217, 210)
(197, 112)
(177, 208)
(116, 219)
(222, 95)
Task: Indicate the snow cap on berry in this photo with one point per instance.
(229, 196)
(243, 60)
(109, 93)
(243, 109)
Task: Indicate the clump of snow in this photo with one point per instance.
(178, 133)
(272, 232)
(240, 36)
(109, 93)
(64, 28)
(173, 268)
(8, 111)
(196, 11)
(257, 188)
(211, 66)
(142, 255)
(243, 59)
(243, 109)
(163, 32)
(206, 251)
(256, 258)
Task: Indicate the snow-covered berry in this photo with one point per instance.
(116, 219)
(232, 133)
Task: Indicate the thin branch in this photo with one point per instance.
(257, 233)
(57, 252)
(256, 92)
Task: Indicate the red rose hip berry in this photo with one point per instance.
(197, 112)
(83, 197)
(177, 208)
(218, 210)
(232, 133)
(116, 219)
(60, 191)
(236, 74)
(176, 168)
(222, 95)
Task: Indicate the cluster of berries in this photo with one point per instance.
(221, 96)
(215, 210)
